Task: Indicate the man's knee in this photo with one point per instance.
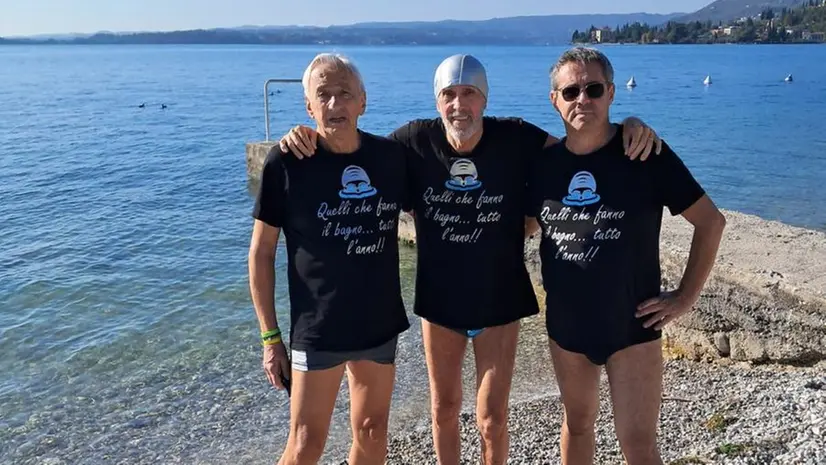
(306, 445)
(446, 410)
(371, 433)
(492, 423)
(580, 421)
(639, 446)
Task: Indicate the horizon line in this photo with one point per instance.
(214, 28)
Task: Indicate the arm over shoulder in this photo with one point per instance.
(529, 135)
(408, 132)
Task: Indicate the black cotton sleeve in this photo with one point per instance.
(407, 201)
(533, 137)
(531, 190)
(404, 134)
(536, 166)
(271, 201)
(530, 139)
(677, 188)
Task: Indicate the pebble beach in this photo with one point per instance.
(711, 414)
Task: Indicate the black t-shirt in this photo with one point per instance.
(600, 215)
(339, 215)
(470, 222)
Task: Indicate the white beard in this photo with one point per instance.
(462, 135)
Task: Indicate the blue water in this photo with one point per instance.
(126, 330)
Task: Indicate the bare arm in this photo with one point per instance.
(262, 273)
(708, 231)
(301, 141)
(639, 139)
(709, 224)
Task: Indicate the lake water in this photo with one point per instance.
(126, 330)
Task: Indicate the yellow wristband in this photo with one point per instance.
(272, 342)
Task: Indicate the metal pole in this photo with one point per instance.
(267, 102)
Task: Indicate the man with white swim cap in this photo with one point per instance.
(460, 70)
(467, 174)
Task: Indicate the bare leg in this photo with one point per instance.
(635, 375)
(495, 352)
(371, 388)
(444, 352)
(578, 381)
(311, 408)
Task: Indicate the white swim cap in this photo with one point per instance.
(459, 70)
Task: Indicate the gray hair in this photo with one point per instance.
(583, 55)
(338, 62)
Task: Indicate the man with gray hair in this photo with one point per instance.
(339, 214)
(467, 174)
(600, 215)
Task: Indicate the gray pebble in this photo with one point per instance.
(721, 342)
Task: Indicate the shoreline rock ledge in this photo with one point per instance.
(765, 301)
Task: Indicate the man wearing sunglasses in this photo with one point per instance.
(600, 216)
(468, 177)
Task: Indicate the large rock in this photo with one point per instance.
(766, 298)
(733, 320)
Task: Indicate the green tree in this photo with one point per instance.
(636, 33)
(747, 34)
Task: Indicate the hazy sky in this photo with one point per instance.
(26, 17)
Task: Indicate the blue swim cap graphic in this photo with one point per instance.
(355, 184)
(463, 176)
(582, 190)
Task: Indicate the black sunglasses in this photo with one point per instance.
(593, 90)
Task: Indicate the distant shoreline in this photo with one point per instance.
(70, 43)
(591, 44)
(339, 44)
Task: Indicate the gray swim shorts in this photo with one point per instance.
(312, 360)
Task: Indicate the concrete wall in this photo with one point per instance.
(256, 155)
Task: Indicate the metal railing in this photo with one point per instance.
(267, 101)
